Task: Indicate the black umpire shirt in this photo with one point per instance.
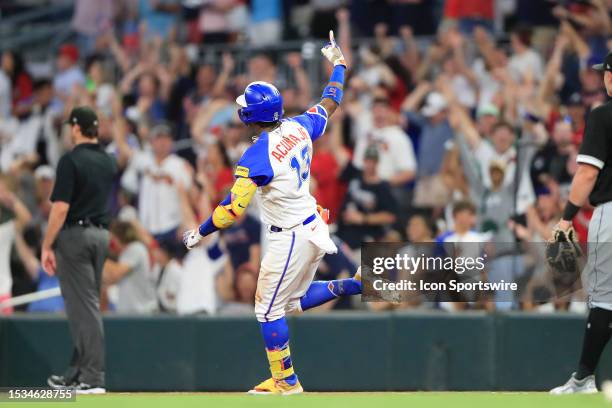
(84, 180)
(596, 150)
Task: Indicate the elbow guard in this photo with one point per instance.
(240, 196)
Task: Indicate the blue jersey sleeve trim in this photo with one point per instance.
(314, 120)
(255, 162)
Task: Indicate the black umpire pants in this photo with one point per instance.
(80, 253)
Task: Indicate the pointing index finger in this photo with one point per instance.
(331, 38)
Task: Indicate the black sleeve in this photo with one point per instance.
(385, 200)
(348, 198)
(64, 180)
(349, 173)
(595, 145)
(114, 165)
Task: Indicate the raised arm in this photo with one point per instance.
(457, 46)
(579, 45)
(10, 200)
(410, 56)
(485, 46)
(124, 151)
(332, 94)
(125, 86)
(294, 60)
(602, 16)
(461, 121)
(25, 253)
(343, 17)
(121, 57)
(414, 99)
(227, 68)
(553, 68)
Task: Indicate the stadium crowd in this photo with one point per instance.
(461, 122)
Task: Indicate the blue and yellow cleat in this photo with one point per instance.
(277, 387)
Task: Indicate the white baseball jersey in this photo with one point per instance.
(279, 163)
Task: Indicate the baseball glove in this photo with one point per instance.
(563, 255)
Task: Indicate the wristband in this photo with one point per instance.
(334, 90)
(207, 228)
(570, 211)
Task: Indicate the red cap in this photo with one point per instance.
(70, 51)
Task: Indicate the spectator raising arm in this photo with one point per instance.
(410, 57)
(165, 81)
(434, 56)
(485, 46)
(124, 151)
(601, 15)
(461, 121)
(384, 43)
(553, 70)
(413, 101)
(227, 68)
(294, 60)
(127, 83)
(456, 41)
(596, 19)
(335, 134)
(579, 45)
(343, 16)
(10, 200)
(27, 257)
(118, 52)
(203, 118)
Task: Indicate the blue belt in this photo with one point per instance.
(307, 221)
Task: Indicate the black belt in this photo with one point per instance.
(85, 223)
(307, 221)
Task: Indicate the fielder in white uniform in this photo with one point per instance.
(277, 168)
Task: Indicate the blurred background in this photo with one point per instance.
(461, 121)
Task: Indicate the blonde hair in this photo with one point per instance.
(125, 231)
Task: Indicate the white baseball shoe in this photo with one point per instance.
(574, 386)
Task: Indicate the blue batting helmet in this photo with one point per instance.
(260, 102)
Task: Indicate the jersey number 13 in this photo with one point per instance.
(301, 166)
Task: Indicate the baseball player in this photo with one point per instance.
(593, 180)
(277, 167)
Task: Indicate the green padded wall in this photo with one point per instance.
(332, 351)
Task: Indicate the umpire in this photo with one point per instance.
(593, 181)
(76, 246)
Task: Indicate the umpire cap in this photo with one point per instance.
(83, 116)
(606, 65)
